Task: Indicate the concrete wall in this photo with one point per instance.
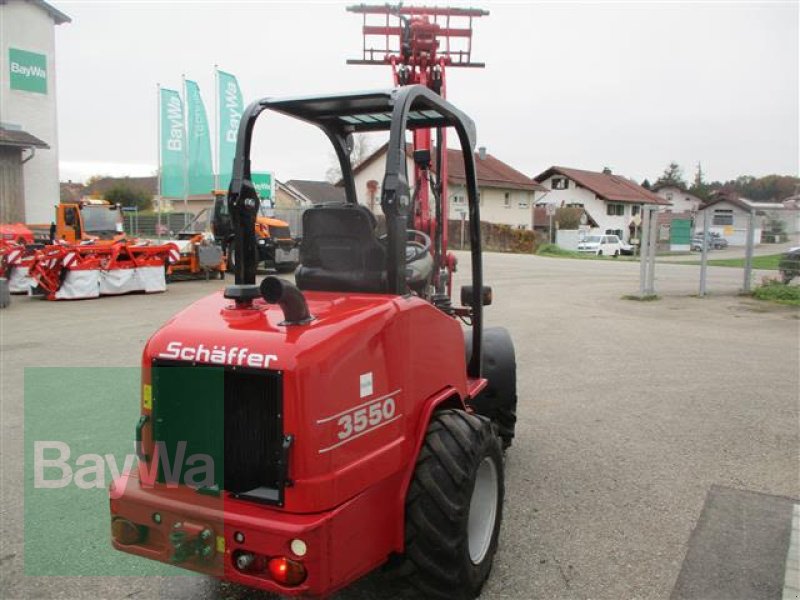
(596, 207)
(568, 239)
(25, 26)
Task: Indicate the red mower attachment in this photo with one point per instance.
(15, 262)
(75, 272)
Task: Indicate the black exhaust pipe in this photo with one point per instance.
(291, 300)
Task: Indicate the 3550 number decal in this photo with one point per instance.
(359, 420)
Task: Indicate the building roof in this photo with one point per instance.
(745, 204)
(55, 14)
(20, 138)
(490, 171)
(319, 192)
(606, 185)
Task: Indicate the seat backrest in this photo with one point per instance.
(340, 252)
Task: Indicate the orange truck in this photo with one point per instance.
(274, 242)
(87, 220)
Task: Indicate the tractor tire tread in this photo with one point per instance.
(437, 561)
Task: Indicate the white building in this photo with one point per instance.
(611, 201)
(730, 215)
(28, 167)
(679, 199)
(506, 195)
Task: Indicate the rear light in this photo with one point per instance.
(286, 571)
(126, 532)
(282, 570)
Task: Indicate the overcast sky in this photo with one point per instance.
(630, 86)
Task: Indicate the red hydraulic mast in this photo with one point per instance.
(419, 43)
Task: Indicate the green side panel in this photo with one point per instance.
(188, 418)
(681, 231)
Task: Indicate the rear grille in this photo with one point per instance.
(279, 233)
(233, 415)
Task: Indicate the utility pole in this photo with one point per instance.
(704, 255)
(748, 256)
(644, 242)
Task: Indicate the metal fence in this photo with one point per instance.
(155, 225)
(294, 217)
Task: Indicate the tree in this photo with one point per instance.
(699, 186)
(647, 185)
(362, 148)
(126, 195)
(672, 175)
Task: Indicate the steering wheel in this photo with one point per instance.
(418, 244)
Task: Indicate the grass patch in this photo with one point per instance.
(556, 250)
(768, 262)
(775, 291)
(638, 298)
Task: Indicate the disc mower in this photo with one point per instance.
(294, 437)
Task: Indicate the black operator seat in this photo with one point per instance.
(340, 251)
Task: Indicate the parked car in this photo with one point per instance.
(789, 266)
(715, 241)
(626, 248)
(600, 245)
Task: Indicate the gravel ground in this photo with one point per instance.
(629, 413)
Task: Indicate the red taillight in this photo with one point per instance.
(286, 571)
(126, 532)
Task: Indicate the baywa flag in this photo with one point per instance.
(173, 145)
(200, 172)
(231, 107)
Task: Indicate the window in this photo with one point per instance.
(635, 209)
(559, 183)
(615, 210)
(523, 203)
(669, 197)
(507, 200)
(723, 216)
(459, 199)
(574, 205)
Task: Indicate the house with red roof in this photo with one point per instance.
(612, 201)
(507, 196)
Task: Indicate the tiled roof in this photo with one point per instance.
(606, 185)
(319, 192)
(490, 171)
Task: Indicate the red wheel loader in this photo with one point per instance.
(293, 438)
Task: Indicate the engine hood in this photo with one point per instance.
(212, 331)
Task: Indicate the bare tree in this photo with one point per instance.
(362, 148)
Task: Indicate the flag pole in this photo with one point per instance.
(158, 154)
(185, 153)
(216, 126)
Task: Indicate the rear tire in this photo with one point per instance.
(454, 507)
(498, 400)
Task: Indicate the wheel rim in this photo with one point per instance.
(482, 511)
